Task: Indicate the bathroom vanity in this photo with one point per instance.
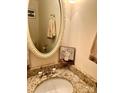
(64, 80)
(45, 31)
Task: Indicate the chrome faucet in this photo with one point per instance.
(47, 72)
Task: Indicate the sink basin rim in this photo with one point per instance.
(51, 78)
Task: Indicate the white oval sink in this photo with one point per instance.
(56, 85)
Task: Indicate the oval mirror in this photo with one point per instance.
(45, 26)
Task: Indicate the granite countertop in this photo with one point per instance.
(79, 86)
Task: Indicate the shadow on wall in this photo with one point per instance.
(93, 52)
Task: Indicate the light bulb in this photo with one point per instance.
(72, 1)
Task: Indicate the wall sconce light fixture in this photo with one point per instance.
(72, 1)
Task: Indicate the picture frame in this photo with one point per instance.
(31, 13)
(67, 54)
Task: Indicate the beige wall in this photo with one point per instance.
(36, 62)
(79, 33)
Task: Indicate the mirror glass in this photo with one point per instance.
(44, 21)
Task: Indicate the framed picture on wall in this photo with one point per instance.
(31, 13)
(67, 54)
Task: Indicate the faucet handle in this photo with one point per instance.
(53, 70)
(40, 73)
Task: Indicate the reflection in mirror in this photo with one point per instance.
(44, 21)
